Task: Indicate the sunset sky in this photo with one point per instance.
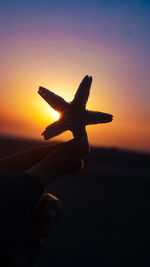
(55, 44)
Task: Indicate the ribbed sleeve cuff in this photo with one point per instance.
(19, 196)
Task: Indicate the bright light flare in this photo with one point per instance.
(55, 114)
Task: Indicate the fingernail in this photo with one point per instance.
(52, 214)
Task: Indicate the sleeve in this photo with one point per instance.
(19, 196)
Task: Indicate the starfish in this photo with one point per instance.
(73, 115)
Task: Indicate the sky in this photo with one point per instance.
(55, 44)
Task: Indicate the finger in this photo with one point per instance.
(49, 209)
(25, 159)
(75, 148)
(74, 166)
(65, 159)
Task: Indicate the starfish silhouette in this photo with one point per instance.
(73, 116)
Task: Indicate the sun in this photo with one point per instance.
(55, 114)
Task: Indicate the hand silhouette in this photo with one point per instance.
(47, 163)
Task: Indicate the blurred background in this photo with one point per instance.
(54, 44)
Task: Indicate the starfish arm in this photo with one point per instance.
(94, 117)
(55, 101)
(54, 129)
(82, 93)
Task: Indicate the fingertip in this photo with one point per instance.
(78, 165)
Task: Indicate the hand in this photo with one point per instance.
(64, 159)
(47, 163)
(34, 160)
(48, 212)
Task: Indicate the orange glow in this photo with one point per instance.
(56, 115)
(115, 89)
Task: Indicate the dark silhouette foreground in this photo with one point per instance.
(26, 211)
(106, 220)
